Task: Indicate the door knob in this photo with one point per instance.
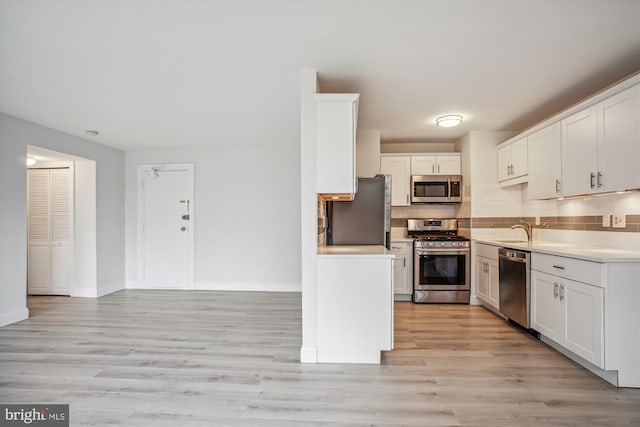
(183, 228)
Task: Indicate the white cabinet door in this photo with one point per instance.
(619, 153)
(336, 123)
(403, 267)
(570, 313)
(448, 165)
(494, 283)
(545, 162)
(440, 164)
(579, 153)
(482, 279)
(423, 165)
(583, 324)
(546, 312)
(399, 167)
(487, 284)
(504, 163)
(519, 164)
(512, 160)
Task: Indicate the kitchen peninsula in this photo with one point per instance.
(355, 303)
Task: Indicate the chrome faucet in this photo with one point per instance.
(526, 227)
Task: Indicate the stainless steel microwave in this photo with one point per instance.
(436, 188)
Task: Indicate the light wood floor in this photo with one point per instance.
(176, 358)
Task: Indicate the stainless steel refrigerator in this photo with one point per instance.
(367, 219)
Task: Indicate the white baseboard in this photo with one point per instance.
(609, 376)
(249, 286)
(102, 290)
(84, 293)
(14, 316)
(133, 284)
(308, 355)
(111, 288)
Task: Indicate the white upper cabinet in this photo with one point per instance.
(545, 162)
(399, 167)
(441, 164)
(336, 123)
(601, 146)
(619, 153)
(580, 152)
(512, 162)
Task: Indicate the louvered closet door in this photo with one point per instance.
(50, 222)
(38, 272)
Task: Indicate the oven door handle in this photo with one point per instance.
(442, 251)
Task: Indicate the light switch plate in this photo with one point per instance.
(618, 221)
(606, 220)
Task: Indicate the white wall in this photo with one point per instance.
(480, 164)
(309, 216)
(246, 214)
(15, 135)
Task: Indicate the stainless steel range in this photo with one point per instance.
(441, 261)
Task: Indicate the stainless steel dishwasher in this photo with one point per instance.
(515, 289)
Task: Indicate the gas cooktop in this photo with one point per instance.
(436, 233)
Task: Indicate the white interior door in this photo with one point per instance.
(167, 227)
(50, 222)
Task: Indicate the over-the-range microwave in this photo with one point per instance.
(436, 188)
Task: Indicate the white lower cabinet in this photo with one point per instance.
(567, 311)
(487, 284)
(403, 270)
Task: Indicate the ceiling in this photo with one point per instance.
(207, 73)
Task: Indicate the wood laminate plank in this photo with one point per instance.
(199, 358)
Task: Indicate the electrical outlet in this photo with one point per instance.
(618, 221)
(606, 220)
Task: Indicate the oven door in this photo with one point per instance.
(441, 269)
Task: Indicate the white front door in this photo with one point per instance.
(167, 226)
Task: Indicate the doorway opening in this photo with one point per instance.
(61, 238)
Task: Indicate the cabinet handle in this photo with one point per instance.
(561, 292)
(599, 179)
(404, 262)
(438, 168)
(557, 186)
(555, 289)
(559, 267)
(433, 168)
(592, 176)
(407, 199)
(396, 247)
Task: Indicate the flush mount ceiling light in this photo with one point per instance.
(92, 132)
(448, 121)
(31, 161)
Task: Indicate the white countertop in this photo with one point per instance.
(589, 253)
(362, 250)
